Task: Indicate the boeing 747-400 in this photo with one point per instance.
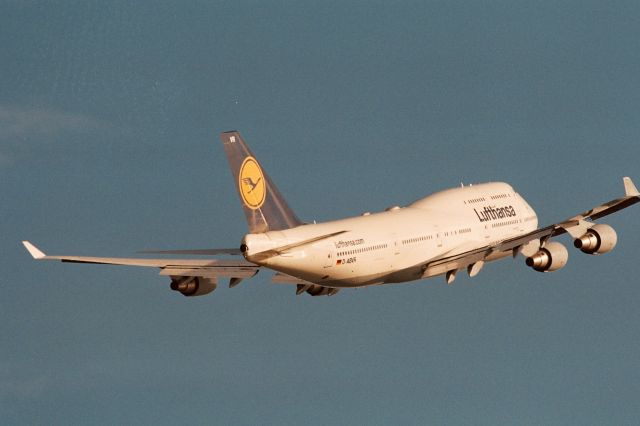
(442, 234)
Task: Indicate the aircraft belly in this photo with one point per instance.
(357, 273)
(356, 281)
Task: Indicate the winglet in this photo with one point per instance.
(629, 188)
(33, 250)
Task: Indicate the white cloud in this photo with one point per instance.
(22, 128)
(26, 122)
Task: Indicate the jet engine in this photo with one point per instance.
(599, 239)
(193, 286)
(551, 257)
(317, 290)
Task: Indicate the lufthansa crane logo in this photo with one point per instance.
(251, 184)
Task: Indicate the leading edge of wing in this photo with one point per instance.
(38, 254)
(199, 252)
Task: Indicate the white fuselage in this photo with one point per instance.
(397, 244)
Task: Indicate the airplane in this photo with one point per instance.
(439, 235)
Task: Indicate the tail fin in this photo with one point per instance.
(264, 206)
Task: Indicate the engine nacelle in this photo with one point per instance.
(551, 257)
(193, 286)
(599, 239)
(317, 290)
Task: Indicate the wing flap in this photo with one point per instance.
(280, 278)
(211, 272)
(456, 262)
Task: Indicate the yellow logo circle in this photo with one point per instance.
(251, 184)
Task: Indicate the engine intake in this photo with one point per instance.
(316, 290)
(599, 239)
(551, 257)
(193, 286)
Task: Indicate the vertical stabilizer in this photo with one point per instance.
(264, 206)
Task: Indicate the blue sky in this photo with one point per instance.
(109, 122)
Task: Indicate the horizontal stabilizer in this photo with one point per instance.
(283, 249)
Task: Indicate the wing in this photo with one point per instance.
(181, 271)
(195, 277)
(575, 226)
